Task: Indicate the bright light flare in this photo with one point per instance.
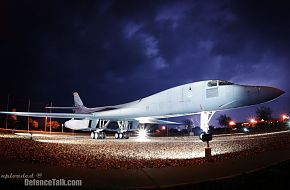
(245, 129)
(142, 135)
(285, 117)
(253, 121)
(232, 123)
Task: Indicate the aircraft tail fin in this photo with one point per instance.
(78, 105)
(77, 100)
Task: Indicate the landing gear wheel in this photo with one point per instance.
(201, 134)
(205, 137)
(93, 135)
(98, 135)
(121, 135)
(103, 135)
(116, 135)
(126, 136)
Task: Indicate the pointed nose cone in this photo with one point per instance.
(271, 93)
(279, 92)
(275, 92)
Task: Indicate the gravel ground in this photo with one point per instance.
(81, 151)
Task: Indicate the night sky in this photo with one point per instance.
(113, 52)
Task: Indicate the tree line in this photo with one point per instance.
(262, 113)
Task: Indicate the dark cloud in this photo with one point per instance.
(117, 51)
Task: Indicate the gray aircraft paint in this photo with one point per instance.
(193, 98)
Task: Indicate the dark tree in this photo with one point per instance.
(264, 112)
(224, 120)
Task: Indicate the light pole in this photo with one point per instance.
(45, 123)
(6, 124)
(50, 118)
(28, 116)
(45, 120)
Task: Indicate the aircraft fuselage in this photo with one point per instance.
(193, 98)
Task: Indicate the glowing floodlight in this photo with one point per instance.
(142, 135)
(253, 121)
(232, 123)
(285, 117)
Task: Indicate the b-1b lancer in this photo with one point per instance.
(202, 97)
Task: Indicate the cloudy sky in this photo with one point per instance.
(113, 52)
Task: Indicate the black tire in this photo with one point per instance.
(126, 135)
(205, 137)
(103, 135)
(98, 135)
(201, 134)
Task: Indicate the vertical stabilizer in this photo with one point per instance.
(77, 100)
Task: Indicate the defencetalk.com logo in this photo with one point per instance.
(52, 182)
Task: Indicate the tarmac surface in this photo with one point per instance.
(233, 155)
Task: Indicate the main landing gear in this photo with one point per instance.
(123, 127)
(98, 135)
(124, 135)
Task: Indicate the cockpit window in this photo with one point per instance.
(212, 83)
(222, 82)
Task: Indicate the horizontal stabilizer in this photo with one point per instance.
(54, 115)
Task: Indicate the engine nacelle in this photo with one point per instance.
(76, 124)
